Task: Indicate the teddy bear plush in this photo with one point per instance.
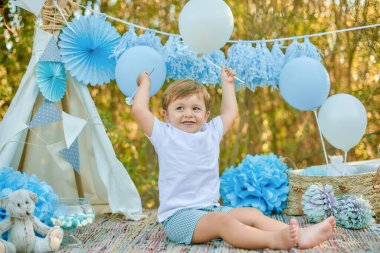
(22, 226)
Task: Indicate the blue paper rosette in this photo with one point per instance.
(258, 181)
(86, 45)
(51, 79)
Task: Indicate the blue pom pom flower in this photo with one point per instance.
(128, 40)
(259, 181)
(11, 180)
(85, 47)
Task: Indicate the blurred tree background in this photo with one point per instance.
(265, 123)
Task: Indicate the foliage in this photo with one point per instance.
(265, 123)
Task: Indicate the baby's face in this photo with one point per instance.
(187, 114)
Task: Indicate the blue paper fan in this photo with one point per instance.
(51, 79)
(85, 46)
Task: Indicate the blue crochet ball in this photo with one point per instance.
(11, 180)
(258, 181)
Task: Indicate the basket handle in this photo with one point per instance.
(299, 199)
(375, 179)
(287, 159)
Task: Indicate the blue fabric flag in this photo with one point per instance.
(46, 114)
(71, 155)
(51, 52)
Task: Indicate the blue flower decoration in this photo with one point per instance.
(11, 180)
(183, 63)
(242, 57)
(85, 47)
(51, 79)
(259, 181)
(128, 40)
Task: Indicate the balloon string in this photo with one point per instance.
(345, 156)
(320, 135)
(129, 100)
(236, 78)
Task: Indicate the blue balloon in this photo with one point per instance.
(136, 60)
(304, 83)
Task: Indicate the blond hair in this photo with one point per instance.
(183, 88)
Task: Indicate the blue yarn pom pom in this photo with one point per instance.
(306, 49)
(150, 39)
(209, 74)
(180, 61)
(129, 39)
(311, 51)
(183, 63)
(258, 181)
(11, 180)
(266, 65)
(354, 212)
(279, 59)
(242, 58)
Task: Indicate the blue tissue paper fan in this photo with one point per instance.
(85, 47)
(51, 79)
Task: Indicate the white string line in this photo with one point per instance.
(236, 41)
(60, 11)
(27, 143)
(126, 22)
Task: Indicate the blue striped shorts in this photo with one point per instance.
(181, 225)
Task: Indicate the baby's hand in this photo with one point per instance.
(227, 75)
(143, 77)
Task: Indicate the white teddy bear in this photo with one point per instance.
(22, 226)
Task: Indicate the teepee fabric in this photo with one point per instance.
(37, 150)
(33, 6)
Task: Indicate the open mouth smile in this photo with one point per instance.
(188, 122)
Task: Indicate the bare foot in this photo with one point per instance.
(316, 234)
(286, 238)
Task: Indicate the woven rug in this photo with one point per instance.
(112, 233)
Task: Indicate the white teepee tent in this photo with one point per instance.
(36, 150)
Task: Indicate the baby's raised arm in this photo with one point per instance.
(229, 107)
(140, 107)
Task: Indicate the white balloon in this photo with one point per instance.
(206, 25)
(343, 120)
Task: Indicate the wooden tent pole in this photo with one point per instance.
(78, 177)
(52, 20)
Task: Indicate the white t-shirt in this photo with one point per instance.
(188, 166)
